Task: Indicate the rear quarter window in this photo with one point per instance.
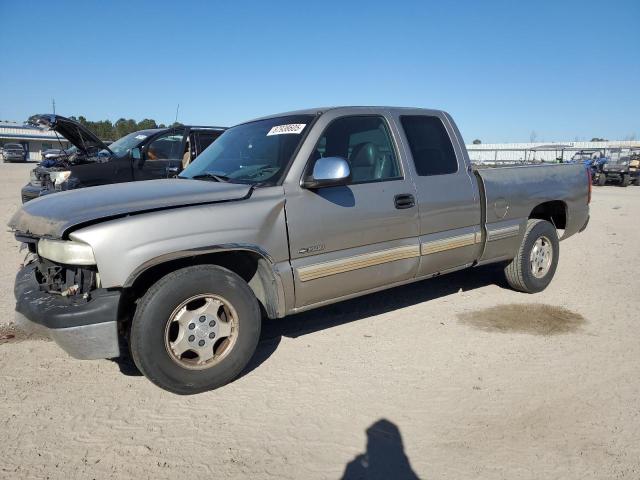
(430, 145)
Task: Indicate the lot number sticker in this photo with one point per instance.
(295, 128)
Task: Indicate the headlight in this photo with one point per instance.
(67, 252)
(58, 178)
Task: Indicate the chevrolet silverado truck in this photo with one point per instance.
(142, 155)
(280, 215)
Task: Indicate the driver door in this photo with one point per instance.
(161, 157)
(349, 239)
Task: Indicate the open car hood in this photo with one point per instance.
(80, 136)
(54, 215)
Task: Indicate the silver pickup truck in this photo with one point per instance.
(280, 215)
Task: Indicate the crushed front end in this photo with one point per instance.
(60, 297)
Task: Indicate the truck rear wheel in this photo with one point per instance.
(195, 329)
(535, 264)
(626, 180)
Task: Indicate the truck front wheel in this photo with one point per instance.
(195, 329)
(535, 264)
(602, 180)
(626, 180)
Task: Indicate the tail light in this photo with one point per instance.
(590, 185)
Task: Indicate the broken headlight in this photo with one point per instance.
(58, 178)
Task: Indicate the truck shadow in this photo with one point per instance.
(371, 305)
(356, 309)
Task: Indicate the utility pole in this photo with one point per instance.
(177, 109)
(53, 104)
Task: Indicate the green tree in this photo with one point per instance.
(106, 130)
(477, 141)
(146, 124)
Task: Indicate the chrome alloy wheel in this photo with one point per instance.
(201, 331)
(541, 257)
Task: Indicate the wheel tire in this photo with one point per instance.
(519, 273)
(626, 181)
(636, 182)
(149, 328)
(602, 180)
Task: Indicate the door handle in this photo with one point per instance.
(404, 200)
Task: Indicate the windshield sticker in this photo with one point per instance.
(140, 137)
(295, 128)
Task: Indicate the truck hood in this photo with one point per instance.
(54, 215)
(81, 137)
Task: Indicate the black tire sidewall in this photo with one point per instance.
(542, 228)
(149, 324)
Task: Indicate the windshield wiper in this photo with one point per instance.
(211, 176)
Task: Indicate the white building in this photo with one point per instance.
(548, 152)
(34, 140)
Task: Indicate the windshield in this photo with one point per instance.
(256, 152)
(618, 156)
(586, 155)
(121, 147)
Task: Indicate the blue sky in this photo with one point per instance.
(564, 69)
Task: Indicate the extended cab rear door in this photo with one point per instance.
(349, 239)
(447, 193)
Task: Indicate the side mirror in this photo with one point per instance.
(328, 172)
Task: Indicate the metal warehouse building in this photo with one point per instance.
(32, 139)
(548, 152)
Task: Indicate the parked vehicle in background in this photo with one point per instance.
(52, 153)
(593, 160)
(143, 155)
(13, 152)
(280, 215)
(634, 166)
(620, 168)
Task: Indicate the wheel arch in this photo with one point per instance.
(554, 211)
(251, 263)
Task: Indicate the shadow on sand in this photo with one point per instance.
(370, 305)
(384, 457)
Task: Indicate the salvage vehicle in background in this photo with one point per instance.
(143, 155)
(620, 168)
(280, 215)
(13, 152)
(634, 166)
(593, 160)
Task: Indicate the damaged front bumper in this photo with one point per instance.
(86, 328)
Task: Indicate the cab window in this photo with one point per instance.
(365, 142)
(430, 145)
(167, 146)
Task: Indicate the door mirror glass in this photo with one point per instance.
(329, 172)
(136, 154)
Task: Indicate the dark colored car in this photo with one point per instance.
(13, 152)
(142, 155)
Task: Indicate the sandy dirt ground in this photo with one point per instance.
(452, 378)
